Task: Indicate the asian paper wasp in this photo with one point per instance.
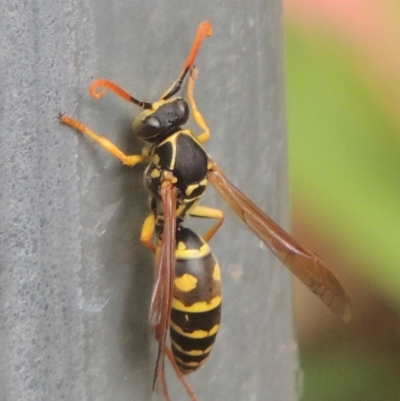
(186, 294)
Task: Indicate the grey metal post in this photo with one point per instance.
(75, 281)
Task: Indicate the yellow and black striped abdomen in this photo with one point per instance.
(196, 306)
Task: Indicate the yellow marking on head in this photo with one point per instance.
(154, 106)
(186, 283)
(193, 352)
(197, 306)
(196, 333)
(155, 173)
(217, 273)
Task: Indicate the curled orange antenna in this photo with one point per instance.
(98, 88)
(105, 84)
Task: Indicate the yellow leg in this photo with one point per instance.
(209, 213)
(197, 116)
(148, 231)
(103, 142)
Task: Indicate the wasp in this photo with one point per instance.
(186, 296)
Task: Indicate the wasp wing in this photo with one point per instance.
(303, 263)
(161, 300)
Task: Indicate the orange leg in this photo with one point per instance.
(180, 375)
(210, 213)
(128, 160)
(148, 231)
(164, 385)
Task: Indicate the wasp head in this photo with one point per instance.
(163, 119)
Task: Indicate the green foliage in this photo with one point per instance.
(350, 376)
(344, 152)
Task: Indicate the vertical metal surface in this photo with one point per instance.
(75, 281)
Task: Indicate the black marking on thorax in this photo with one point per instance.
(182, 155)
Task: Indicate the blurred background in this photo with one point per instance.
(343, 91)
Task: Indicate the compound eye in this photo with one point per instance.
(153, 123)
(183, 108)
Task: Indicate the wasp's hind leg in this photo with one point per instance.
(208, 213)
(180, 375)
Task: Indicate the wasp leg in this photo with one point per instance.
(164, 386)
(180, 375)
(128, 160)
(148, 231)
(209, 213)
(197, 116)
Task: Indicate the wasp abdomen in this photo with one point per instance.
(196, 305)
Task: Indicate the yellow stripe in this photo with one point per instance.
(217, 273)
(172, 140)
(193, 365)
(196, 333)
(190, 188)
(203, 183)
(180, 246)
(191, 352)
(197, 306)
(183, 253)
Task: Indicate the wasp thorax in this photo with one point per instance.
(164, 119)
